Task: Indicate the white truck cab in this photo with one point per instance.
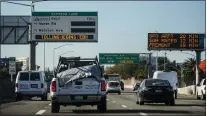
(201, 90)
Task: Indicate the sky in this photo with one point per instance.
(122, 27)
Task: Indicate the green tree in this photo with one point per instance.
(189, 74)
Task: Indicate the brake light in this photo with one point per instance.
(16, 85)
(103, 86)
(53, 86)
(41, 85)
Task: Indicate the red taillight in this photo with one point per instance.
(41, 85)
(103, 86)
(16, 85)
(53, 86)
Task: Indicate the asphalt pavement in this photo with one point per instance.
(124, 104)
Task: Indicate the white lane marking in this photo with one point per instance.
(113, 102)
(50, 104)
(40, 112)
(130, 108)
(198, 107)
(143, 114)
(123, 106)
(107, 99)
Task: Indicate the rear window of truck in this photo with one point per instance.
(35, 77)
(24, 76)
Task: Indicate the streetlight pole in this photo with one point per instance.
(65, 53)
(54, 53)
(164, 60)
(157, 59)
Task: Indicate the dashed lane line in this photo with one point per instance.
(143, 114)
(40, 112)
(50, 104)
(123, 106)
(113, 101)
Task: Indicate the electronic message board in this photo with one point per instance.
(65, 26)
(175, 41)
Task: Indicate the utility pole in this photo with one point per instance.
(164, 60)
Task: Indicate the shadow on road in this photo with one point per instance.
(132, 111)
(177, 105)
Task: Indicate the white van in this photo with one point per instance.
(171, 76)
(31, 83)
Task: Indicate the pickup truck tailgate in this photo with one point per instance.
(80, 87)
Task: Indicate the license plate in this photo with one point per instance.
(34, 85)
(158, 90)
(79, 97)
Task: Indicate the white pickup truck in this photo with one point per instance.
(78, 82)
(201, 90)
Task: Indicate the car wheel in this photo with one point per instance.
(103, 106)
(141, 102)
(44, 97)
(176, 94)
(198, 97)
(203, 97)
(167, 103)
(55, 108)
(119, 93)
(172, 103)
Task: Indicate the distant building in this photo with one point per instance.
(25, 62)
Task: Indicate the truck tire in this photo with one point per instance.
(197, 96)
(18, 97)
(103, 106)
(44, 97)
(55, 107)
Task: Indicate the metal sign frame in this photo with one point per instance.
(14, 29)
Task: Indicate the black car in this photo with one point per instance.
(155, 91)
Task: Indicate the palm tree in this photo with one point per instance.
(190, 63)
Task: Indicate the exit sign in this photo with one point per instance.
(118, 58)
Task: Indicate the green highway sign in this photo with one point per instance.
(118, 58)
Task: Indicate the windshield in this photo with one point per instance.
(157, 83)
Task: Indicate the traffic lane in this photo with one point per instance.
(182, 107)
(112, 109)
(24, 107)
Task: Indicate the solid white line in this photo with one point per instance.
(113, 102)
(143, 114)
(123, 106)
(40, 112)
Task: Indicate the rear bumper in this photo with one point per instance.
(70, 99)
(30, 93)
(113, 91)
(157, 97)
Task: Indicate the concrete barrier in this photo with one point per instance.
(7, 91)
(189, 90)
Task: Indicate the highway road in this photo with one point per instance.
(124, 104)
